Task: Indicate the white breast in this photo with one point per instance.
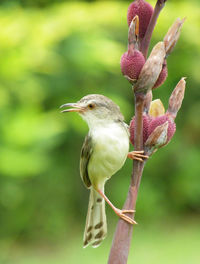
(111, 145)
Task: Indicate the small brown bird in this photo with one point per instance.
(104, 152)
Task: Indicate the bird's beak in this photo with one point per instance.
(75, 108)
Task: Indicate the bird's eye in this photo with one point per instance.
(91, 106)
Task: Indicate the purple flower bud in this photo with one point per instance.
(162, 77)
(144, 10)
(157, 139)
(131, 64)
(146, 121)
(155, 122)
(151, 69)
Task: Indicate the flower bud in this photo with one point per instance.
(162, 77)
(173, 35)
(131, 64)
(156, 108)
(144, 10)
(176, 98)
(156, 139)
(160, 120)
(151, 69)
(146, 121)
(133, 33)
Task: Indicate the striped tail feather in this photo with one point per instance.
(96, 226)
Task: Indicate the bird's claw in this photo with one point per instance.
(137, 155)
(121, 214)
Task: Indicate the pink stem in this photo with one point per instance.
(144, 46)
(122, 239)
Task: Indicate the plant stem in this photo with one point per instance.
(123, 234)
(122, 239)
(147, 38)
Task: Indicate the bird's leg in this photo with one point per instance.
(137, 155)
(120, 213)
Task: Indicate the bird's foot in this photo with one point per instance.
(137, 155)
(122, 214)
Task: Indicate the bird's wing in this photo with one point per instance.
(86, 153)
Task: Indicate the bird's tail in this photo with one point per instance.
(96, 226)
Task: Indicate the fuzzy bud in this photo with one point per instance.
(162, 77)
(173, 35)
(151, 69)
(133, 60)
(176, 98)
(157, 138)
(144, 10)
(132, 64)
(146, 121)
(160, 120)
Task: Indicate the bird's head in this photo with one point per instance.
(95, 108)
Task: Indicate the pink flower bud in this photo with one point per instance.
(131, 64)
(144, 10)
(151, 69)
(162, 77)
(146, 121)
(155, 122)
(157, 139)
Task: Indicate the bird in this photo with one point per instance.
(104, 152)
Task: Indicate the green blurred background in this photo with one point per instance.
(54, 52)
